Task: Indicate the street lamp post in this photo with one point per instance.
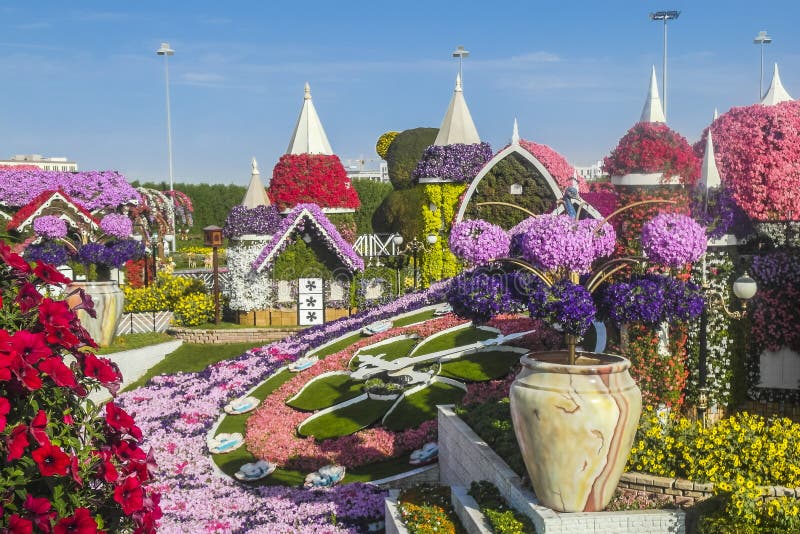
(397, 240)
(166, 51)
(460, 53)
(154, 246)
(416, 246)
(664, 16)
(761, 39)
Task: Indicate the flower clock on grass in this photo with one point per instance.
(68, 465)
(176, 413)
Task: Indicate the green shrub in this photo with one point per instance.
(404, 153)
(492, 422)
(502, 518)
(371, 194)
(299, 259)
(495, 186)
(400, 213)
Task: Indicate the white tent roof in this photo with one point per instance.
(653, 111)
(709, 174)
(256, 194)
(457, 126)
(776, 93)
(309, 136)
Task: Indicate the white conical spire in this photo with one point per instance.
(309, 136)
(256, 194)
(652, 111)
(716, 114)
(709, 174)
(776, 93)
(457, 126)
(515, 133)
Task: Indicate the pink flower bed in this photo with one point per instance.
(271, 429)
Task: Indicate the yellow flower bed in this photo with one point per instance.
(740, 455)
(185, 297)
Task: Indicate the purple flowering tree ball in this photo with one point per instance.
(552, 242)
(479, 242)
(117, 225)
(479, 295)
(673, 239)
(568, 307)
(50, 227)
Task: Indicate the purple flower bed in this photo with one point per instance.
(261, 220)
(50, 227)
(176, 413)
(92, 189)
(458, 162)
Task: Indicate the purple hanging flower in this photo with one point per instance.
(50, 227)
(113, 254)
(49, 252)
(261, 220)
(568, 307)
(117, 225)
(479, 295)
(551, 242)
(478, 241)
(673, 239)
(652, 299)
(457, 162)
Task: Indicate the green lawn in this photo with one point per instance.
(345, 421)
(235, 326)
(394, 350)
(481, 366)
(327, 391)
(458, 338)
(336, 347)
(421, 406)
(135, 341)
(192, 357)
(415, 318)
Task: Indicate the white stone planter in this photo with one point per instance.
(645, 179)
(379, 397)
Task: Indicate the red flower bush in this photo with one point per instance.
(558, 167)
(758, 149)
(312, 178)
(653, 147)
(65, 468)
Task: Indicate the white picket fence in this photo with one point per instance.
(370, 245)
(139, 323)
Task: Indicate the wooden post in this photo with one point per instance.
(216, 284)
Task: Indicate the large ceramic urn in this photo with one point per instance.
(109, 301)
(575, 425)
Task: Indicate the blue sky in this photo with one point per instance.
(81, 79)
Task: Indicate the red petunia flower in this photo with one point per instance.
(5, 407)
(15, 261)
(129, 452)
(19, 525)
(86, 303)
(31, 347)
(108, 471)
(55, 313)
(62, 336)
(60, 373)
(38, 426)
(130, 495)
(81, 522)
(16, 442)
(51, 460)
(118, 419)
(49, 274)
(102, 369)
(28, 297)
(29, 377)
(42, 510)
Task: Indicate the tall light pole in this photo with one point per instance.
(460, 53)
(761, 39)
(166, 51)
(664, 16)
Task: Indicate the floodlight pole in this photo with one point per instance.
(664, 16)
(761, 39)
(166, 51)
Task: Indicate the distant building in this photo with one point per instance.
(592, 172)
(37, 160)
(356, 170)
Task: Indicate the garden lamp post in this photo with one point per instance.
(761, 39)
(154, 247)
(744, 288)
(213, 239)
(397, 240)
(664, 16)
(416, 247)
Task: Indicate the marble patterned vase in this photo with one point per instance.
(575, 425)
(108, 301)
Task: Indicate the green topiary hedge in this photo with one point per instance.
(371, 194)
(404, 153)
